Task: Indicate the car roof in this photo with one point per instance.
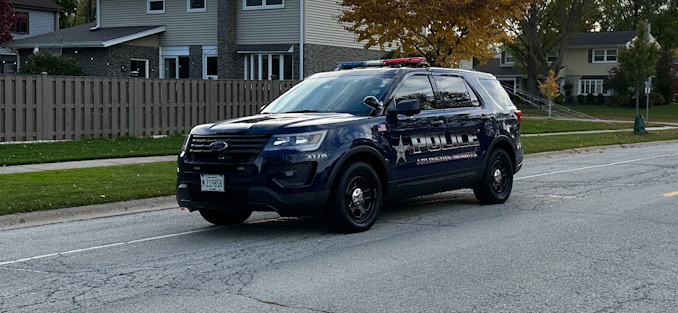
(368, 71)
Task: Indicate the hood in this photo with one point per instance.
(278, 123)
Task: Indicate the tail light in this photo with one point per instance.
(519, 115)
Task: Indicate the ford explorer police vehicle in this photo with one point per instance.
(342, 143)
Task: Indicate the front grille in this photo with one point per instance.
(241, 148)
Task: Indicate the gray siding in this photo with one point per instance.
(39, 22)
(322, 27)
(148, 41)
(182, 28)
(270, 26)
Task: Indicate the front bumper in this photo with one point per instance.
(291, 189)
(253, 198)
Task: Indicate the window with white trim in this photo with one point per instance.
(196, 5)
(508, 58)
(552, 56)
(139, 68)
(268, 66)
(604, 55)
(210, 66)
(155, 6)
(591, 86)
(262, 4)
(21, 26)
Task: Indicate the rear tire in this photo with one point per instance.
(356, 199)
(225, 218)
(497, 182)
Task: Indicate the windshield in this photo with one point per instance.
(342, 94)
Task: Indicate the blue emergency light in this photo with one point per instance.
(386, 62)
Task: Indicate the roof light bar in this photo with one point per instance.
(378, 63)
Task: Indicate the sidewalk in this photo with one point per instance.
(598, 131)
(14, 169)
(29, 219)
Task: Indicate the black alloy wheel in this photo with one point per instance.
(497, 182)
(356, 199)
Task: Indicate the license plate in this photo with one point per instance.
(213, 183)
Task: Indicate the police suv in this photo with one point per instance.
(342, 143)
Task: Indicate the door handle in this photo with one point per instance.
(437, 122)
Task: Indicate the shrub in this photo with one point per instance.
(657, 99)
(621, 100)
(600, 98)
(581, 99)
(45, 62)
(590, 99)
(568, 87)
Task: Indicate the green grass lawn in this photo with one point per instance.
(28, 192)
(564, 142)
(660, 113)
(88, 149)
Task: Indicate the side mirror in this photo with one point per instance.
(373, 102)
(407, 107)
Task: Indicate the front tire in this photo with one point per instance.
(356, 199)
(225, 218)
(497, 182)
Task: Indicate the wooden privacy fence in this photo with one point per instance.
(65, 108)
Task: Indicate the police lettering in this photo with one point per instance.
(439, 141)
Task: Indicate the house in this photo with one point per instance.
(243, 39)
(36, 17)
(588, 58)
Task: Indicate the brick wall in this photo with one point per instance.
(195, 61)
(228, 67)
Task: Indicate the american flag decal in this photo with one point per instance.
(381, 127)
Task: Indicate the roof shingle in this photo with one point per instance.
(601, 38)
(84, 36)
(36, 4)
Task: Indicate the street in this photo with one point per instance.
(582, 232)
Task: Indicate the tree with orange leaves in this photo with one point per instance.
(446, 31)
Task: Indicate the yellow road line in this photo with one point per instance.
(671, 194)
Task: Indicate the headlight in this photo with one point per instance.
(185, 145)
(302, 142)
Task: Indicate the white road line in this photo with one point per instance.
(596, 166)
(204, 230)
(104, 246)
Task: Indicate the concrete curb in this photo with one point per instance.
(37, 218)
(31, 219)
(595, 149)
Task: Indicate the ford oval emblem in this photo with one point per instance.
(218, 146)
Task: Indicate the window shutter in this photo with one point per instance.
(590, 55)
(503, 57)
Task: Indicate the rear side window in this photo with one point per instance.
(496, 91)
(454, 93)
(417, 87)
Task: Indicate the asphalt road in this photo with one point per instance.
(584, 232)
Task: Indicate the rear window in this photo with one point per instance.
(496, 91)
